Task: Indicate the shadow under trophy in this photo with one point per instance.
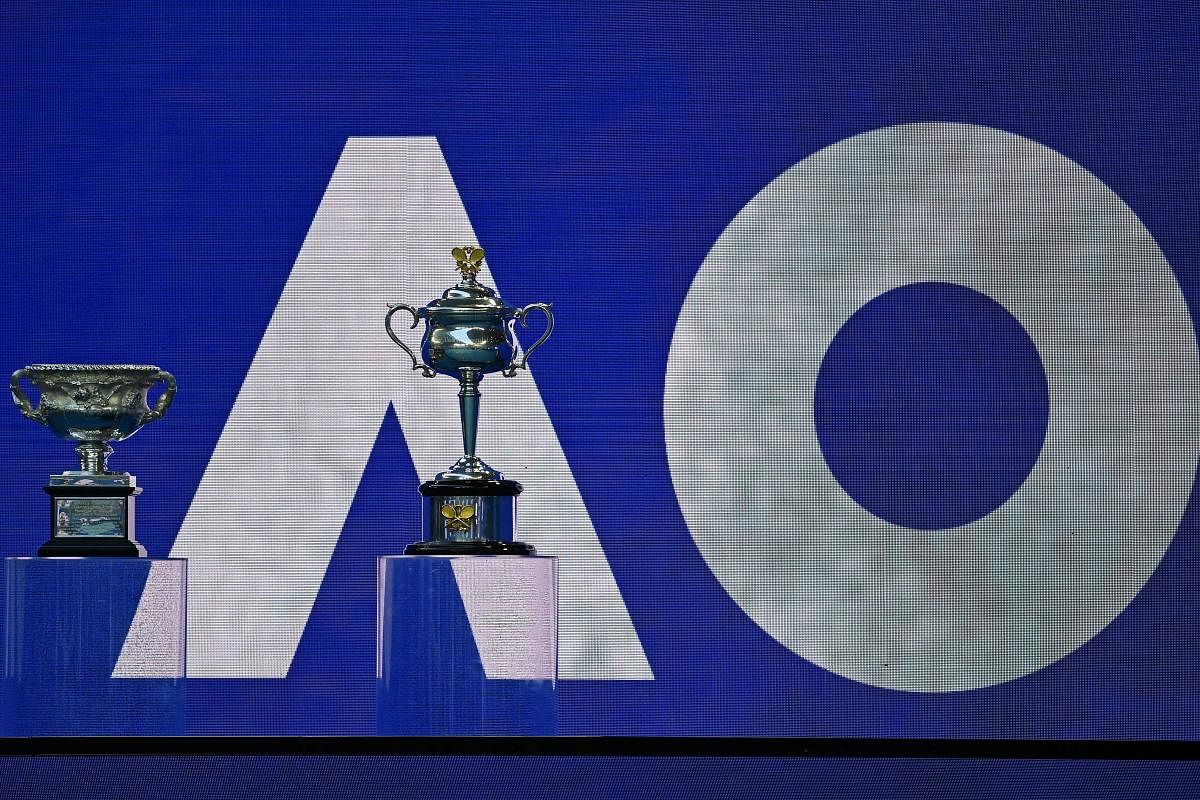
(468, 622)
(94, 645)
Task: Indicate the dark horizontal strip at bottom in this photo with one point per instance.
(716, 747)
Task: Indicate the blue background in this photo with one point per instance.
(163, 162)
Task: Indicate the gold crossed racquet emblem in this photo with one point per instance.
(458, 518)
(467, 260)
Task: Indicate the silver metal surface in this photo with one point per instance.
(93, 404)
(519, 361)
(469, 334)
(416, 315)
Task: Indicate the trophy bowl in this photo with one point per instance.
(93, 403)
(469, 329)
(469, 334)
(456, 338)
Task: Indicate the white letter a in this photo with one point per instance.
(264, 522)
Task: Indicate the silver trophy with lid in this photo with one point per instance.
(469, 333)
(92, 508)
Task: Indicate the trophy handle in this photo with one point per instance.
(164, 399)
(416, 315)
(519, 361)
(22, 399)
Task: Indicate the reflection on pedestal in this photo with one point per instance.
(94, 646)
(467, 645)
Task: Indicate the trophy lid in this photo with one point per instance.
(468, 295)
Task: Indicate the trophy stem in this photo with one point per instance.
(93, 456)
(468, 407)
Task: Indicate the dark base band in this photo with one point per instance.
(481, 547)
(456, 488)
(90, 546)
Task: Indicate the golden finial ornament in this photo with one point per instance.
(467, 260)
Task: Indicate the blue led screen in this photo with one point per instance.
(869, 408)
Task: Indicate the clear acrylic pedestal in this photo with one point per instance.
(95, 647)
(467, 645)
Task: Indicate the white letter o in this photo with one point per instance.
(1033, 580)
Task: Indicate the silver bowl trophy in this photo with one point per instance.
(469, 508)
(92, 509)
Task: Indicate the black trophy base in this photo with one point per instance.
(92, 514)
(468, 518)
(480, 547)
(89, 547)
(455, 487)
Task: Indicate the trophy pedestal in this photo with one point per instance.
(468, 518)
(92, 514)
(94, 646)
(467, 645)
